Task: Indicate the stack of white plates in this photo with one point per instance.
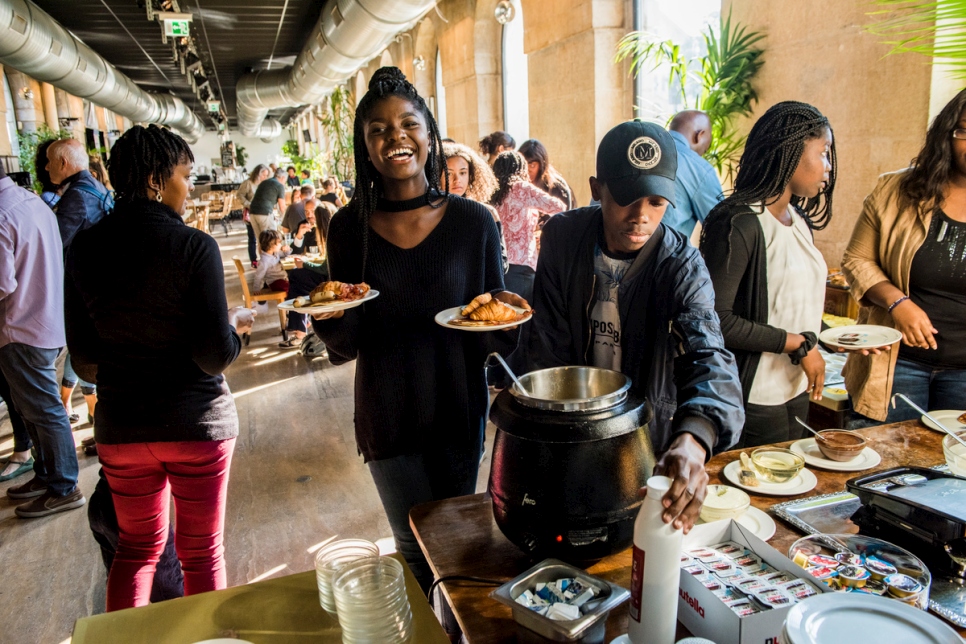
(832, 618)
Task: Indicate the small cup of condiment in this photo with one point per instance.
(879, 569)
(849, 559)
(853, 576)
(902, 586)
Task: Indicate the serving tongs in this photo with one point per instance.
(509, 372)
(927, 415)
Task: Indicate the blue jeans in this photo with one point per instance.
(32, 377)
(929, 387)
(411, 479)
(71, 379)
(21, 439)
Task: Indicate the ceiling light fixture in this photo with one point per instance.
(27, 93)
(419, 63)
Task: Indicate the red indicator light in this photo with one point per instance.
(559, 538)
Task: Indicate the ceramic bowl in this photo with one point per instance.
(840, 445)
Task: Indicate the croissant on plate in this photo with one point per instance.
(494, 311)
(477, 302)
(329, 291)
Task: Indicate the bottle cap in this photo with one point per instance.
(657, 487)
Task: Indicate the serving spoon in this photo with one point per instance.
(927, 415)
(818, 435)
(509, 371)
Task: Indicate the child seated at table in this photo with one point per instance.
(270, 273)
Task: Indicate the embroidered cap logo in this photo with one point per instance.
(644, 153)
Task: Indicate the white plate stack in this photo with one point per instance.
(833, 618)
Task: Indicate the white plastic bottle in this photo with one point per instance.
(655, 571)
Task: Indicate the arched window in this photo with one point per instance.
(683, 23)
(440, 98)
(516, 95)
(11, 119)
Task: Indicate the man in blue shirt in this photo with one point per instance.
(697, 187)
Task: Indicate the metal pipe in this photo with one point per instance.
(348, 34)
(32, 42)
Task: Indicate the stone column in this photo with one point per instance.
(577, 92)
(29, 109)
(6, 146)
(49, 101)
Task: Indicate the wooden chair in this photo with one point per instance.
(261, 296)
(221, 213)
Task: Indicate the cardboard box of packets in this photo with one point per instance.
(735, 588)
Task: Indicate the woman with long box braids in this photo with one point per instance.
(158, 336)
(420, 391)
(769, 279)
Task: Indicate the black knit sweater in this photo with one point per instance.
(419, 386)
(150, 318)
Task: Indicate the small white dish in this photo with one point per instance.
(808, 449)
(757, 521)
(948, 417)
(329, 307)
(803, 482)
(855, 617)
(443, 318)
(867, 336)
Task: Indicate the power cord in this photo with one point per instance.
(478, 580)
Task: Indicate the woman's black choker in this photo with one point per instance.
(415, 203)
(385, 205)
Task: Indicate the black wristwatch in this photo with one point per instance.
(799, 354)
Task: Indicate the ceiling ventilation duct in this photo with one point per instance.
(37, 45)
(349, 33)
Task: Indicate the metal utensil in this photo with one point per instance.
(927, 415)
(818, 435)
(509, 371)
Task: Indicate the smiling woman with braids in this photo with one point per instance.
(158, 336)
(769, 279)
(420, 393)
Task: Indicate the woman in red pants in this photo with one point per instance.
(145, 305)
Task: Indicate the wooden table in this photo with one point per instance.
(282, 610)
(460, 537)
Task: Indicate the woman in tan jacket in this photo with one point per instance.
(906, 263)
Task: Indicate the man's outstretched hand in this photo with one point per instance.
(683, 463)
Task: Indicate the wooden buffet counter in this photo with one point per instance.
(460, 537)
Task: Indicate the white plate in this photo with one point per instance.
(947, 417)
(808, 449)
(443, 318)
(870, 336)
(288, 305)
(853, 617)
(803, 482)
(755, 520)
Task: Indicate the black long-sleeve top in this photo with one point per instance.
(145, 305)
(419, 386)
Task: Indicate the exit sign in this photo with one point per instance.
(177, 27)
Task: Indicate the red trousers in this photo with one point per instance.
(143, 476)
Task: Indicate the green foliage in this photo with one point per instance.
(336, 117)
(934, 28)
(725, 76)
(241, 155)
(30, 141)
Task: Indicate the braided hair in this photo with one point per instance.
(387, 82)
(771, 155)
(142, 153)
(510, 168)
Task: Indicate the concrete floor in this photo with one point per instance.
(296, 481)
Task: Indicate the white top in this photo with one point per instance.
(796, 299)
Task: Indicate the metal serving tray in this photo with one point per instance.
(829, 514)
(550, 570)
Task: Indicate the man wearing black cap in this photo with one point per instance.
(617, 289)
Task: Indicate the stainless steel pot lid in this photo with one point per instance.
(572, 389)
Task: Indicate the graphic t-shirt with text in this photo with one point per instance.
(605, 322)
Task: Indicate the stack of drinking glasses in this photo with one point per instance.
(370, 595)
(331, 558)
